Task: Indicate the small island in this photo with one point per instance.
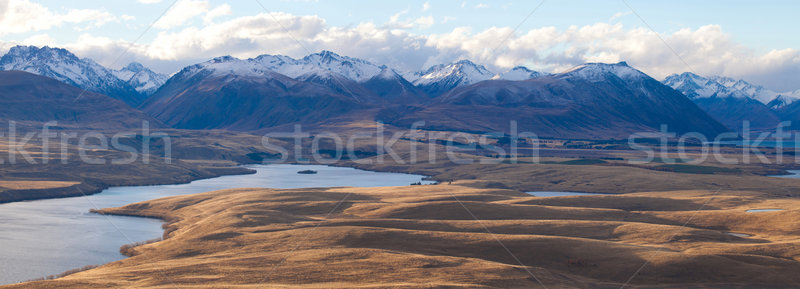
(307, 172)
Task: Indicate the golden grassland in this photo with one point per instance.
(462, 235)
(34, 184)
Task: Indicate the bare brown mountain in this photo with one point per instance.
(30, 99)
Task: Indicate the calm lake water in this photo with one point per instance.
(46, 237)
(793, 174)
(763, 210)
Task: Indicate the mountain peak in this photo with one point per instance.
(134, 67)
(441, 78)
(600, 71)
(518, 73)
(221, 59)
(141, 78)
(696, 86)
(64, 66)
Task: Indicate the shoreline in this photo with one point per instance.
(95, 187)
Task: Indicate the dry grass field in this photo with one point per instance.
(462, 235)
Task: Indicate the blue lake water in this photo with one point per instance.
(793, 174)
(46, 237)
(763, 210)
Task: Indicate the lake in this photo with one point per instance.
(46, 237)
(793, 174)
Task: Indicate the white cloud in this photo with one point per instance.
(619, 15)
(424, 22)
(219, 11)
(38, 40)
(707, 49)
(181, 12)
(482, 6)
(426, 6)
(22, 16)
(128, 17)
(148, 1)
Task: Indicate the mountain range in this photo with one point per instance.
(132, 84)
(733, 101)
(30, 100)
(593, 100)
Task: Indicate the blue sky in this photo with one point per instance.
(748, 39)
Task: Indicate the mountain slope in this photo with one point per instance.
(518, 73)
(228, 93)
(141, 78)
(589, 101)
(340, 84)
(393, 88)
(62, 65)
(32, 99)
(439, 79)
(355, 69)
(730, 101)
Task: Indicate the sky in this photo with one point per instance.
(753, 40)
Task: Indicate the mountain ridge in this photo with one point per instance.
(62, 65)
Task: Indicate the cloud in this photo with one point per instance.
(420, 22)
(219, 11)
(482, 6)
(708, 49)
(426, 6)
(181, 12)
(148, 1)
(22, 16)
(619, 15)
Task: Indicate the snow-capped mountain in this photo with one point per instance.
(141, 78)
(441, 78)
(231, 93)
(695, 86)
(62, 65)
(223, 66)
(338, 83)
(593, 100)
(731, 101)
(518, 73)
(355, 69)
(598, 72)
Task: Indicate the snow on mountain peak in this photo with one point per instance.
(229, 65)
(62, 65)
(459, 73)
(141, 78)
(352, 68)
(695, 86)
(518, 73)
(600, 71)
(388, 74)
